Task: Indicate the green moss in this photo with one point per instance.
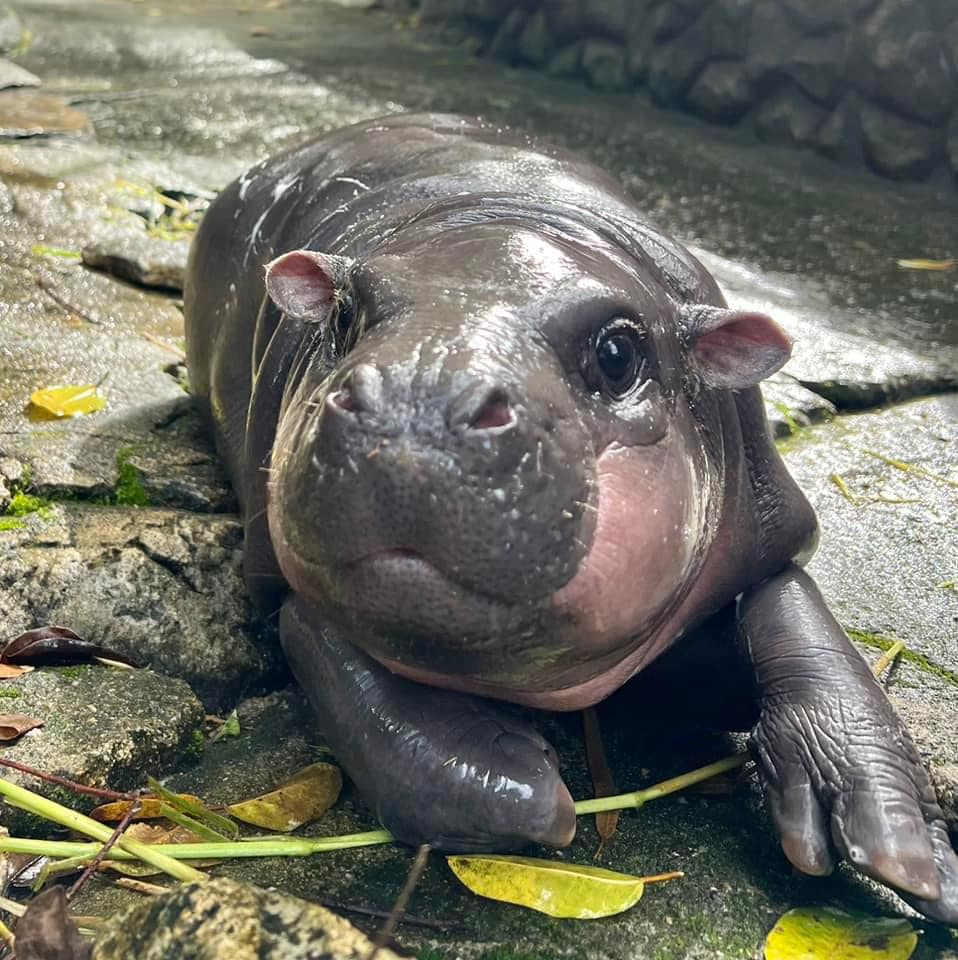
(197, 743)
(23, 504)
(129, 488)
(10, 523)
(10, 693)
(919, 660)
(70, 673)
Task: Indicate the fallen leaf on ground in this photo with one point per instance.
(52, 646)
(13, 725)
(68, 401)
(47, 932)
(150, 809)
(920, 264)
(9, 671)
(558, 889)
(303, 798)
(826, 933)
(152, 834)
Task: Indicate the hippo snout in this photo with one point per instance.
(433, 506)
(481, 407)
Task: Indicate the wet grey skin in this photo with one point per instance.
(498, 441)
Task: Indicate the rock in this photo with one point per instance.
(899, 148)
(771, 41)
(610, 19)
(488, 13)
(505, 44)
(535, 41)
(673, 67)
(849, 372)
(952, 144)
(224, 920)
(6, 495)
(103, 727)
(728, 26)
(788, 116)
(818, 66)
(135, 256)
(24, 113)
(722, 92)
(888, 547)
(11, 30)
(566, 62)
(668, 20)
(162, 586)
(564, 18)
(839, 137)
(443, 9)
(13, 75)
(901, 63)
(816, 16)
(790, 407)
(604, 65)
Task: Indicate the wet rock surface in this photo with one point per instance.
(103, 727)
(182, 102)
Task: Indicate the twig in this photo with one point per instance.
(68, 784)
(94, 864)
(887, 658)
(402, 901)
(141, 886)
(46, 285)
(603, 782)
(442, 926)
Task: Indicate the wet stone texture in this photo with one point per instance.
(140, 547)
(103, 726)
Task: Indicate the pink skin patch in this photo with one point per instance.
(650, 535)
(650, 524)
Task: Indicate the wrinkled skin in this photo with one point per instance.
(496, 440)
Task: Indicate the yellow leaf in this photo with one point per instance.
(549, 886)
(150, 809)
(825, 933)
(927, 264)
(305, 797)
(68, 401)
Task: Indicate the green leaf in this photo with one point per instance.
(549, 886)
(826, 933)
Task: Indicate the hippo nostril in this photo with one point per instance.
(361, 391)
(494, 412)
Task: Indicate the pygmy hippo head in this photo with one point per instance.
(503, 485)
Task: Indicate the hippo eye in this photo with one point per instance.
(618, 355)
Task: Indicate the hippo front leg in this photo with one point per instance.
(839, 768)
(458, 772)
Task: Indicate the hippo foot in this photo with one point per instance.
(852, 782)
(841, 772)
(458, 772)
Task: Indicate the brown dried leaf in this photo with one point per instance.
(13, 725)
(51, 646)
(154, 834)
(47, 932)
(9, 671)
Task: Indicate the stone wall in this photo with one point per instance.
(861, 81)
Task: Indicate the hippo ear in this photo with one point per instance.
(734, 349)
(303, 283)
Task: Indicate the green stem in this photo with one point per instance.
(49, 810)
(640, 797)
(292, 847)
